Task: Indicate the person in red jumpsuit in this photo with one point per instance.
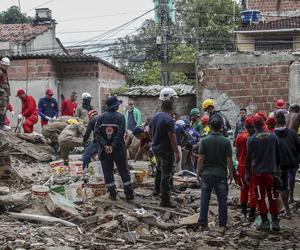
(69, 106)
(241, 152)
(10, 108)
(29, 111)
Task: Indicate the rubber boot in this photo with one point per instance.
(113, 195)
(168, 203)
(275, 223)
(129, 196)
(265, 224)
(251, 217)
(244, 210)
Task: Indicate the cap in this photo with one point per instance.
(195, 111)
(280, 104)
(20, 92)
(49, 92)
(167, 93)
(258, 118)
(249, 121)
(138, 130)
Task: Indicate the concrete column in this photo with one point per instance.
(294, 83)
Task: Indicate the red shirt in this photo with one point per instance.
(28, 106)
(241, 145)
(68, 108)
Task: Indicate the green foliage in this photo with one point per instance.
(13, 15)
(119, 91)
(201, 25)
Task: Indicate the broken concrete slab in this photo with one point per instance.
(189, 220)
(15, 199)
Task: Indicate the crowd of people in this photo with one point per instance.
(267, 147)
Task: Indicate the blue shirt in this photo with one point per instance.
(47, 107)
(161, 124)
(194, 135)
(179, 132)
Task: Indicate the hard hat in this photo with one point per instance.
(49, 92)
(73, 121)
(92, 113)
(180, 123)
(262, 115)
(280, 104)
(5, 61)
(86, 95)
(258, 118)
(205, 119)
(208, 103)
(20, 92)
(249, 121)
(167, 93)
(195, 111)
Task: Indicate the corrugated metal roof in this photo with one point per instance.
(154, 90)
(285, 23)
(21, 32)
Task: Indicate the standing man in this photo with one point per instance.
(215, 157)
(240, 125)
(241, 152)
(4, 91)
(195, 122)
(289, 151)
(92, 148)
(164, 146)
(133, 116)
(69, 106)
(109, 133)
(82, 112)
(48, 107)
(209, 106)
(263, 158)
(29, 111)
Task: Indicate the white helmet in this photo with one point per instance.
(167, 93)
(180, 123)
(86, 95)
(5, 61)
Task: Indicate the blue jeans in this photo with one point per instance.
(90, 150)
(219, 184)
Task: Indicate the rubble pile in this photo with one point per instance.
(44, 206)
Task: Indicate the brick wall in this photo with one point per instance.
(37, 68)
(78, 69)
(107, 73)
(247, 86)
(273, 5)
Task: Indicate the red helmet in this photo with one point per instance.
(280, 104)
(249, 121)
(204, 119)
(92, 113)
(258, 118)
(20, 92)
(49, 92)
(271, 122)
(263, 115)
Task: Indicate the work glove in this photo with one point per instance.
(12, 113)
(48, 118)
(20, 116)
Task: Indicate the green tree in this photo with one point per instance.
(13, 15)
(201, 25)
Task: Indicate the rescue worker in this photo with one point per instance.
(48, 107)
(263, 158)
(91, 148)
(29, 111)
(52, 130)
(69, 106)
(240, 125)
(289, 151)
(209, 106)
(241, 152)
(145, 141)
(4, 91)
(194, 118)
(205, 125)
(270, 122)
(109, 133)
(82, 112)
(279, 107)
(132, 144)
(70, 137)
(133, 117)
(164, 146)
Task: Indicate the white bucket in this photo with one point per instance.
(95, 169)
(74, 193)
(39, 191)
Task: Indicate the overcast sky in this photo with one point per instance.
(91, 15)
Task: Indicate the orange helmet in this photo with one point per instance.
(204, 119)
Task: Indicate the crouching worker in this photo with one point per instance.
(70, 137)
(215, 158)
(109, 133)
(52, 130)
(92, 147)
(145, 142)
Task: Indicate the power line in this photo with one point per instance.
(39, 5)
(83, 31)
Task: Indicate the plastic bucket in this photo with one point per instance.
(39, 191)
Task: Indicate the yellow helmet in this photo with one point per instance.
(73, 121)
(207, 103)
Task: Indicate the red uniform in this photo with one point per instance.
(241, 145)
(29, 111)
(10, 109)
(68, 108)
